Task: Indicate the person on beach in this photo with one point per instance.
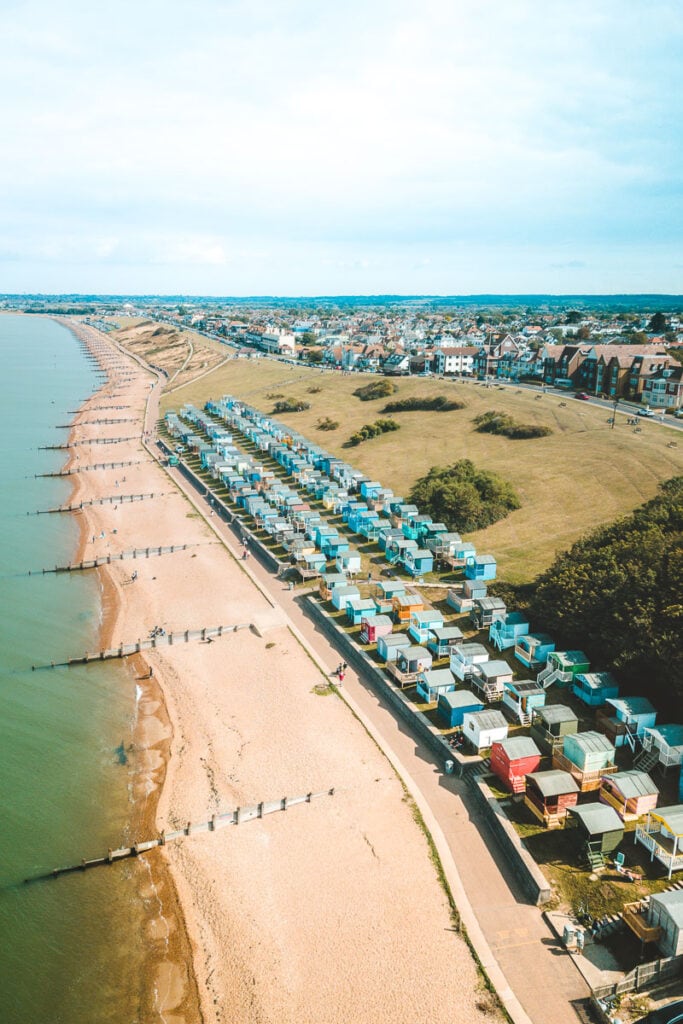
(341, 678)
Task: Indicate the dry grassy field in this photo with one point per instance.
(582, 475)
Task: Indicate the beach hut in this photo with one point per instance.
(550, 724)
(465, 657)
(587, 756)
(455, 704)
(490, 679)
(662, 745)
(522, 697)
(665, 912)
(340, 596)
(631, 793)
(512, 759)
(480, 567)
(483, 728)
(462, 598)
(443, 639)
(504, 632)
(662, 835)
(594, 688)
(333, 546)
(486, 610)
(533, 650)
(562, 667)
(422, 622)
(357, 607)
(601, 830)
(418, 562)
(433, 682)
(388, 646)
(387, 589)
(330, 582)
(410, 663)
(624, 719)
(403, 606)
(372, 627)
(549, 795)
(414, 526)
(314, 562)
(386, 535)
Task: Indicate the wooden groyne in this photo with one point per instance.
(206, 635)
(115, 499)
(92, 440)
(86, 423)
(98, 408)
(238, 816)
(94, 563)
(97, 465)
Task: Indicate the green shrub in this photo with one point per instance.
(464, 497)
(372, 430)
(502, 423)
(325, 423)
(438, 404)
(377, 389)
(291, 405)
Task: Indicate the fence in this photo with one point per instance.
(643, 976)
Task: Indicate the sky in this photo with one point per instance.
(293, 147)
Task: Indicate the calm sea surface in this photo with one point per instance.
(71, 949)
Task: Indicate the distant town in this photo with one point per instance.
(611, 351)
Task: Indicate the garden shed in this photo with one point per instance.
(550, 794)
(665, 911)
(631, 793)
(455, 704)
(512, 759)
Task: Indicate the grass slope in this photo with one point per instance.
(580, 477)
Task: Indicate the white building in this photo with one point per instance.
(455, 360)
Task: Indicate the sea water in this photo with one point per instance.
(71, 949)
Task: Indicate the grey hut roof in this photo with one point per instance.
(673, 902)
(554, 782)
(524, 686)
(447, 632)
(633, 783)
(598, 818)
(461, 699)
(554, 713)
(439, 677)
(592, 742)
(632, 705)
(395, 640)
(673, 816)
(489, 719)
(492, 669)
(519, 746)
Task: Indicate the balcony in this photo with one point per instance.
(635, 916)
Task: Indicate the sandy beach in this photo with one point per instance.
(331, 912)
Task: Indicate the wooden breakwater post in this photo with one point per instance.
(95, 466)
(114, 499)
(95, 563)
(150, 643)
(238, 816)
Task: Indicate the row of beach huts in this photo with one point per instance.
(472, 692)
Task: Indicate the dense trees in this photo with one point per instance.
(464, 497)
(617, 595)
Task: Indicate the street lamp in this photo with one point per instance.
(614, 410)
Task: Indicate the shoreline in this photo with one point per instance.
(303, 919)
(151, 739)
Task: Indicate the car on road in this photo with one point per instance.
(645, 412)
(582, 396)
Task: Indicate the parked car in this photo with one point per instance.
(645, 412)
(582, 396)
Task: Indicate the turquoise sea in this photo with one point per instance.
(71, 950)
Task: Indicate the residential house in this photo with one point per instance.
(458, 360)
